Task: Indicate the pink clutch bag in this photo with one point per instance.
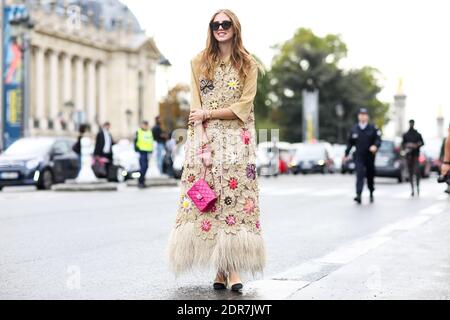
(202, 195)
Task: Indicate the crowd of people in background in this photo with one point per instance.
(146, 143)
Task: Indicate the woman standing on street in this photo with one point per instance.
(228, 236)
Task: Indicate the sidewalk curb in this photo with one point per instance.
(73, 186)
(155, 182)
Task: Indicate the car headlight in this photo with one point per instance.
(32, 164)
(397, 164)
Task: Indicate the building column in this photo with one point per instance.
(79, 90)
(40, 88)
(101, 93)
(54, 92)
(91, 95)
(67, 87)
(151, 109)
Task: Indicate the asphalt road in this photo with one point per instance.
(111, 245)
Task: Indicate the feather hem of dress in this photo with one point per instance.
(242, 252)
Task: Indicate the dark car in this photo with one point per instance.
(312, 158)
(389, 162)
(38, 162)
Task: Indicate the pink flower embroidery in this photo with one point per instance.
(233, 183)
(191, 178)
(258, 225)
(206, 225)
(245, 136)
(249, 206)
(231, 220)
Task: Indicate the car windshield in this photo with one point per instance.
(386, 147)
(27, 147)
(311, 152)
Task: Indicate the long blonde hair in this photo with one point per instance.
(240, 58)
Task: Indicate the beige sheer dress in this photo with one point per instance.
(228, 237)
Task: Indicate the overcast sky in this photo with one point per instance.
(403, 39)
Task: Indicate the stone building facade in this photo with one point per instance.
(90, 62)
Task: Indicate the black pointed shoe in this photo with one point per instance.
(357, 199)
(237, 287)
(371, 198)
(219, 286)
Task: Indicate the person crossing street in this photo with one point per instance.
(366, 138)
(144, 146)
(411, 144)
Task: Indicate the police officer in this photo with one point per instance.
(366, 138)
(143, 144)
(412, 142)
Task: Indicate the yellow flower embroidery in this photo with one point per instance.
(233, 84)
(186, 203)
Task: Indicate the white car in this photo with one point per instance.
(126, 159)
(178, 155)
(267, 159)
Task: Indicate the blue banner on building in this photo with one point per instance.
(12, 78)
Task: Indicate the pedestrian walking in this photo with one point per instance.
(103, 154)
(221, 149)
(77, 145)
(366, 138)
(411, 144)
(143, 144)
(160, 137)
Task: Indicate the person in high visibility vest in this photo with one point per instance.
(143, 143)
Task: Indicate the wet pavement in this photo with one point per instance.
(111, 245)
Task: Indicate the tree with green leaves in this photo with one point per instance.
(310, 62)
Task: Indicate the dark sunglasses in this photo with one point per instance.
(216, 25)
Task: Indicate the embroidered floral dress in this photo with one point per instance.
(228, 237)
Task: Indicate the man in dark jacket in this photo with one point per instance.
(411, 144)
(160, 137)
(103, 145)
(366, 138)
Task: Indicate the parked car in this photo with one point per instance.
(126, 160)
(286, 152)
(268, 159)
(39, 162)
(338, 152)
(312, 157)
(389, 162)
(178, 157)
(432, 149)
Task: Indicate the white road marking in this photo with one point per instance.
(442, 197)
(273, 289)
(350, 252)
(301, 271)
(402, 225)
(434, 209)
(286, 280)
